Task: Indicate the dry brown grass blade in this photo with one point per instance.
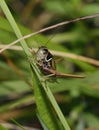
(49, 28)
(62, 54)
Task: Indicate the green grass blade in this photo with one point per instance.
(49, 94)
(14, 26)
(3, 128)
(43, 105)
(18, 124)
(42, 92)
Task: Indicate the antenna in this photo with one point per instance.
(50, 39)
(38, 43)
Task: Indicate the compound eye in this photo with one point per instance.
(45, 51)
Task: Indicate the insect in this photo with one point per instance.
(46, 63)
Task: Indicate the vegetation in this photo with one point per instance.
(26, 100)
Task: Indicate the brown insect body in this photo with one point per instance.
(45, 60)
(46, 63)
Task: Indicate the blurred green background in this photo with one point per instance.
(77, 98)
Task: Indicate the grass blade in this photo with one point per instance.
(44, 93)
